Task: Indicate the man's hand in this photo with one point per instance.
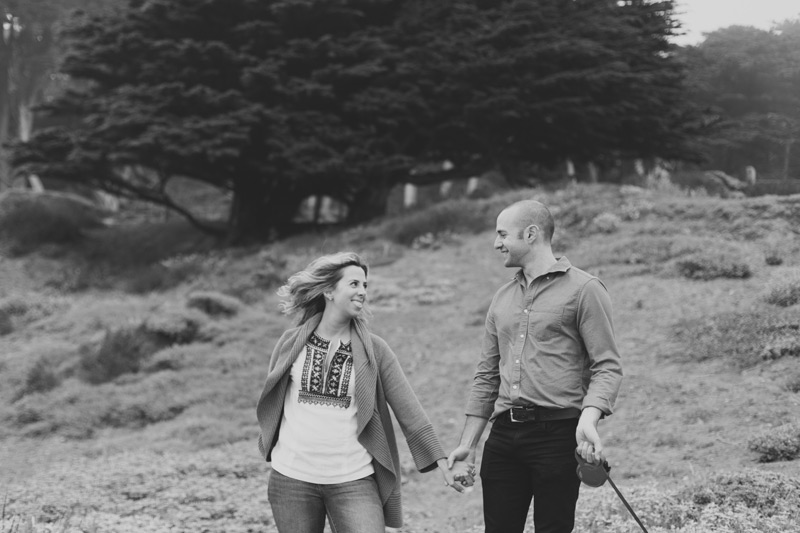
(461, 453)
(461, 463)
(457, 477)
(590, 446)
(463, 473)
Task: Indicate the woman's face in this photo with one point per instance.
(350, 294)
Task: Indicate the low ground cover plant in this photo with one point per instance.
(715, 261)
(751, 501)
(214, 304)
(693, 257)
(77, 410)
(777, 444)
(742, 338)
(784, 289)
(41, 377)
(122, 351)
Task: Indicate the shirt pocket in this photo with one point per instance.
(545, 323)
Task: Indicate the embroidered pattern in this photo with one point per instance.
(317, 388)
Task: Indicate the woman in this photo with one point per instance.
(324, 417)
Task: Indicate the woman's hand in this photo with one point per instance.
(464, 473)
(458, 477)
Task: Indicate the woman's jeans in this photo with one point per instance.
(530, 460)
(300, 507)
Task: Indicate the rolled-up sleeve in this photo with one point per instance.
(486, 383)
(597, 330)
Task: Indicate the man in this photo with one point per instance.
(549, 371)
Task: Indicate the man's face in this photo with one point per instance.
(510, 242)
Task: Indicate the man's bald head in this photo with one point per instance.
(530, 212)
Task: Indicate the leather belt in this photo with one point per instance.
(540, 414)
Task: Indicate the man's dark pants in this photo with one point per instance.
(530, 460)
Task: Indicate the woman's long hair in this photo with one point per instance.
(303, 295)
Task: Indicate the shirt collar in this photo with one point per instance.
(561, 265)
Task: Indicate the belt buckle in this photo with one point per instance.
(511, 416)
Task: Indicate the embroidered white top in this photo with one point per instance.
(318, 441)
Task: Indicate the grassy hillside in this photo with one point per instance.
(131, 361)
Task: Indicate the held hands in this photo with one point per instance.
(460, 468)
(463, 473)
(459, 476)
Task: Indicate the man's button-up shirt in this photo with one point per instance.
(549, 344)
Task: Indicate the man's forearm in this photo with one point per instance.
(473, 429)
(592, 415)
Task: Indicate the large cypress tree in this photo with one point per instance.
(278, 100)
(548, 80)
(245, 95)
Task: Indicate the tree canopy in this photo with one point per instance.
(28, 56)
(750, 80)
(278, 100)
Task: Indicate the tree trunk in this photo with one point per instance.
(787, 156)
(369, 202)
(6, 58)
(593, 172)
(259, 214)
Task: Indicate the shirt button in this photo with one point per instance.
(526, 310)
(522, 336)
(517, 361)
(514, 387)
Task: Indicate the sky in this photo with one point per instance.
(698, 16)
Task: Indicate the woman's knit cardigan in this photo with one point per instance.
(379, 381)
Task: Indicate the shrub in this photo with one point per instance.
(784, 291)
(767, 493)
(159, 277)
(172, 358)
(708, 182)
(792, 382)
(214, 303)
(175, 325)
(29, 307)
(740, 337)
(122, 351)
(773, 257)
(29, 220)
(635, 208)
(41, 377)
(688, 255)
(751, 501)
(244, 280)
(432, 241)
(6, 324)
(777, 444)
(125, 350)
(781, 347)
(10, 308)
(454, 216)
(714, 263)
(606, 223)
(76, 410)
